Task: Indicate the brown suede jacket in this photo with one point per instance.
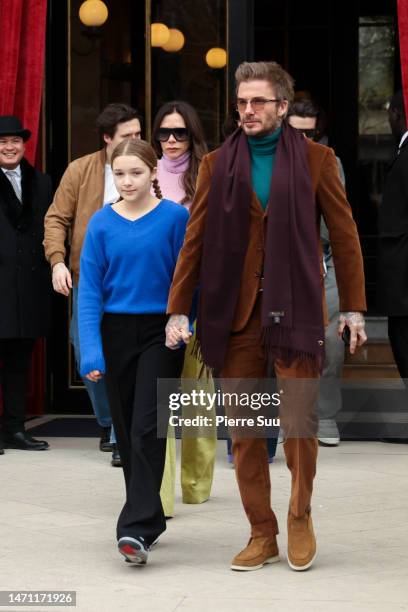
(78, 197)
(331, 202)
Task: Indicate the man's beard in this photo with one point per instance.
(264, 131)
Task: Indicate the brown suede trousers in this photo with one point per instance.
(245, 359)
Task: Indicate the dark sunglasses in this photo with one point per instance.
(309, 133)
(180, 134)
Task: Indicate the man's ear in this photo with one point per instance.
(283, 108)
(107, 139)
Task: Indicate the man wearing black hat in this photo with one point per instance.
(25, 283)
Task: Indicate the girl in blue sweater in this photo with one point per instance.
(127, 264)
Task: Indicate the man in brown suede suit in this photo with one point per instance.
(252, 244)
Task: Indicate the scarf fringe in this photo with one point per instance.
(278, 344)
(196, 352)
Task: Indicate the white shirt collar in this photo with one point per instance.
(405, 136)
(111, 193)
(16, 170)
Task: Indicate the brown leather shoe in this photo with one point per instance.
(301, 542)
(259, 551)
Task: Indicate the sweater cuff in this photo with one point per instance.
(92, 363)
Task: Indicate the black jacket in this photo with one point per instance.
(392, 281)
(25, 279)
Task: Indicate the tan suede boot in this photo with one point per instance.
(260, 550)
(301, 542)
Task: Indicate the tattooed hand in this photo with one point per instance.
(177, 331)
(355, 322)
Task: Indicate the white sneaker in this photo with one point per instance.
(328, 433)
(134, 550)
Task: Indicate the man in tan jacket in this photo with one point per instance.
(252, 245)
(85, 187)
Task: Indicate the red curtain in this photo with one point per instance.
(22, 26)
(403, 40)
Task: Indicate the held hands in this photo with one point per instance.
(355, 322)
(61, 279)
(177, 331)
(94, 376)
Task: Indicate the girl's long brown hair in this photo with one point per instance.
(198, 147)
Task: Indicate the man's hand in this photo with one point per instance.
(355, 322)
(61, 279)
(177, 331)
(94, 376)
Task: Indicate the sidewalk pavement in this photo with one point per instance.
(57, 531)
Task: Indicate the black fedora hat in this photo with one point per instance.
(11, 126)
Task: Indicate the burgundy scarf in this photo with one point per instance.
(292, 317)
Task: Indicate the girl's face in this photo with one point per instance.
(176, 144)
(133, 178)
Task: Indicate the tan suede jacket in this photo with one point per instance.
(330, 200)
(78, 197)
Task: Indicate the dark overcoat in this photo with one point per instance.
(25, 278)
(392, 280)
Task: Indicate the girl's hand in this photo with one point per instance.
(94, 376)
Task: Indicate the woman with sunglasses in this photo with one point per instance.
(178, 139)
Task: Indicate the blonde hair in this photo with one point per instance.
(142, 150)
(273, 72)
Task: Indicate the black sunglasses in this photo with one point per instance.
(180, 134)
(309, 133)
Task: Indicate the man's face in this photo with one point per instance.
(127, 129)
(306, 125)
(264, 118)
(11, 151)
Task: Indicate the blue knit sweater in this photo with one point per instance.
(126, 267)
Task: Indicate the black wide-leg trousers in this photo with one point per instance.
(136, 356)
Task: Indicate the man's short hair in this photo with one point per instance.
(304, 108)
(280, 80)
(112, 115)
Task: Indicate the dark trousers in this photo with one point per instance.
(398, 335)
(136, 357)
(15, 355)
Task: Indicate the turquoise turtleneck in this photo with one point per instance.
(263, 152)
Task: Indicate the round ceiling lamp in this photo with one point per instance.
(160, 34)
(216, 57)
(176, 41)
(93, 13)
